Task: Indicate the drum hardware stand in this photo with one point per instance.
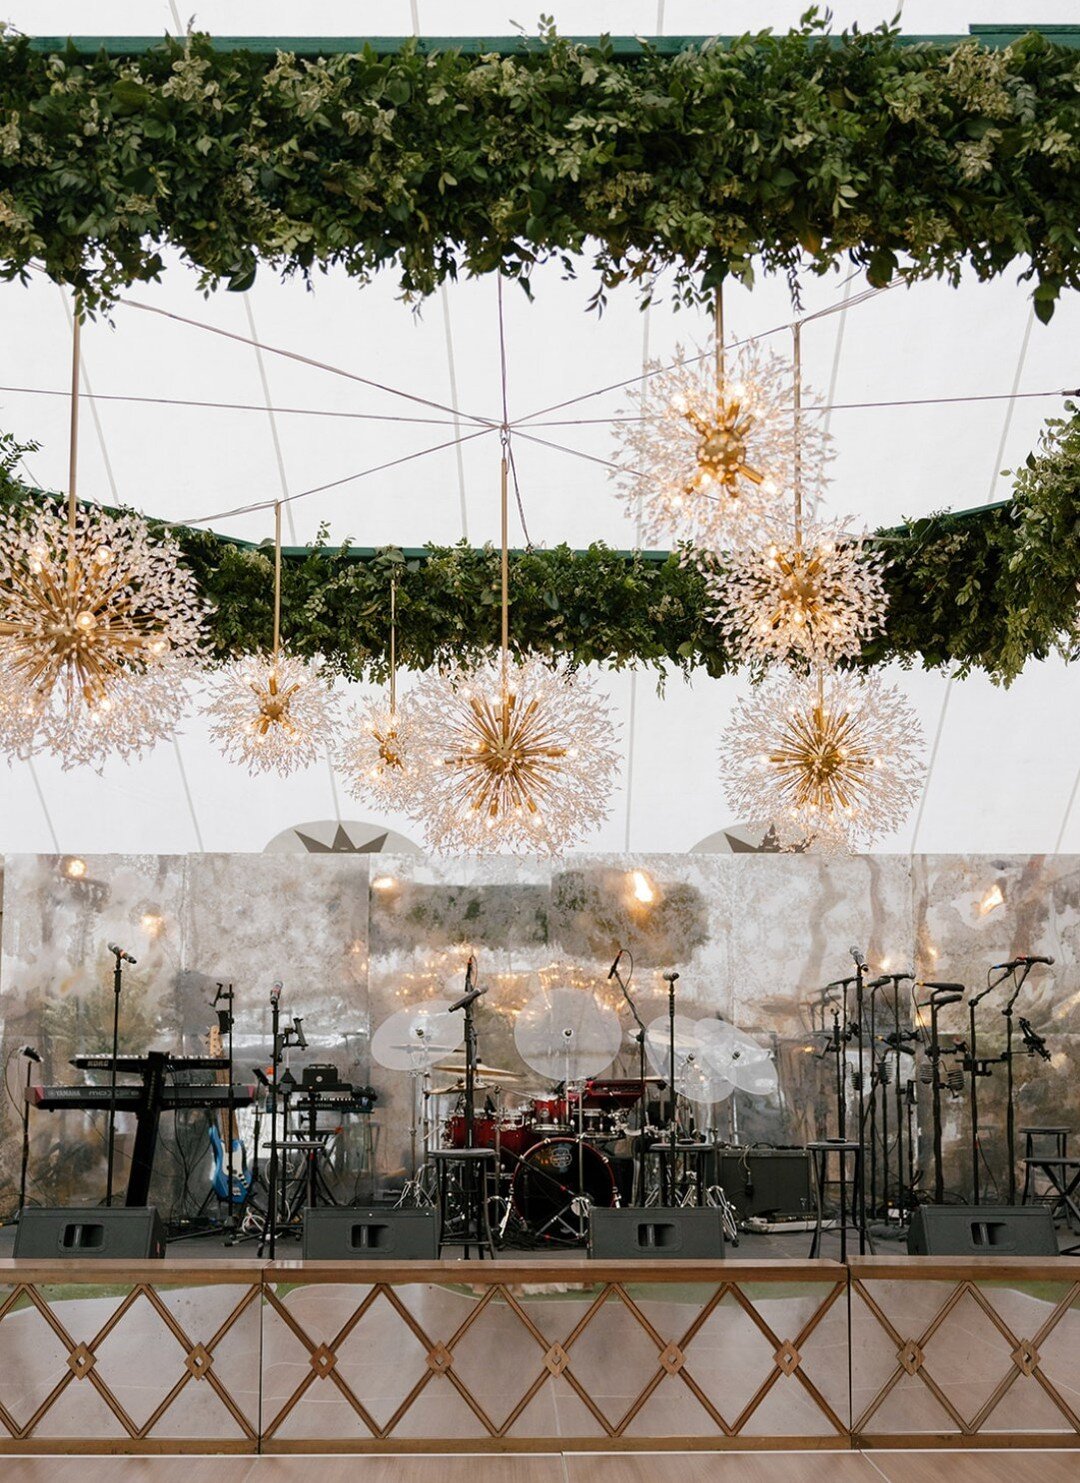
(940, 995)
(642, 1161)
(118, 974)
(244, 1211)
(415, 1192)
(673, 1131)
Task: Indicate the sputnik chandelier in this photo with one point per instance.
(272, 712)
(707, 444)
(831, 760)
(378, 757)
(101, 625)
(513, 756)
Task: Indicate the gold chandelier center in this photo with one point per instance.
(722, 446)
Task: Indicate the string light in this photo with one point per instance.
(831, 761)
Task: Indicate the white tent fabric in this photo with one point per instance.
(1004, 764)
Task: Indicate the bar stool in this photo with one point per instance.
(1032, 1136)
(819, 1175)
(694, 1159)
(472, 1170)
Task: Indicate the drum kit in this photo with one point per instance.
(569, 1142)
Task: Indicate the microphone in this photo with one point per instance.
(614, 967)
(470, 971)
(1016, 962)
(466, 1000)
(30, 1053)
(119, 952)
(275, 992)
(859, 960)
(669, 978)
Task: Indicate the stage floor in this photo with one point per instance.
(1006, 1466)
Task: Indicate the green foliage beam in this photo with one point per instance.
(796, 150)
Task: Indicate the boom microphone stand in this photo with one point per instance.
(1018, 969)
(860, 972)
(118, 976)
(269, 1235)
(940, 995)
(976, 1068)
(642, 1151)
(673, 1132)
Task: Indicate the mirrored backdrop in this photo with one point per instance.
(354, 938)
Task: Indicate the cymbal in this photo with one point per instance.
(457, 1089)
(494, 1073)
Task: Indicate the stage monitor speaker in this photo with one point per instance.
(90, 1233)
(765, 1181)
(333, 1233)
(982, 1230)
(652, 1231)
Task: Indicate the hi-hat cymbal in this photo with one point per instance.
(493, 1073)
(457, 1089)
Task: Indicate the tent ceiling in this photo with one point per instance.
(181, 429)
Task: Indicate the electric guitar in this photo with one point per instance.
(241, 1174)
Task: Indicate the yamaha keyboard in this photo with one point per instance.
(146, 1100)
(136, 1065)
(131, 1098)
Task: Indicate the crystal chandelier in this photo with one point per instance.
(272, 712)
(818, 595)
(378, 756)
(831, 760)
(706, 446)
(512, 756)
(101, 625)
(813, 592)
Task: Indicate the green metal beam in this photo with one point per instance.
(993, 36)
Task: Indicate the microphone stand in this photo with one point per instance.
(1010, 1092)
(118, 974)
(269, 1235)
(643, 1157)
(25, 1136)
(860, 972)
(975, 1069)
(673, 1132)
(940, 994)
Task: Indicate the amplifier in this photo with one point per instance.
(333, 1233)
(982, 1230)
(90, 1233)
(652, 1231)
(764, 1181)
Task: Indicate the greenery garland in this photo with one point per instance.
(986, 589)
(796, 149)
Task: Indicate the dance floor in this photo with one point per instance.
(1008, 1466)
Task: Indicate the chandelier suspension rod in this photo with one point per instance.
(73, 436)
(796, 338)
(277, 580)
(393, 644)
(505, 573)
(718, 313)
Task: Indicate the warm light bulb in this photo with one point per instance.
(643, 889)
(383, 883)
